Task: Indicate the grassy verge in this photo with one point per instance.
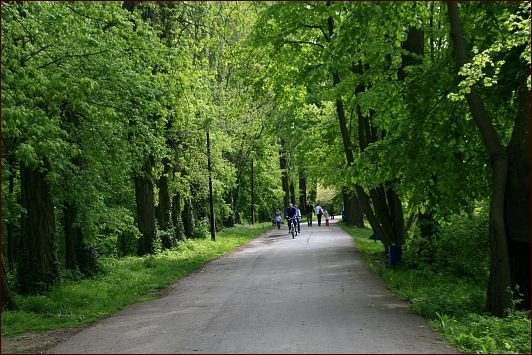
(453, 306)
(125, 281)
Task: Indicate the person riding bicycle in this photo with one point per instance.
(298, 218)
(290, 213)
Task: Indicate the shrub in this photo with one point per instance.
(460, 247)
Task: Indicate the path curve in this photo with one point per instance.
(311, 294)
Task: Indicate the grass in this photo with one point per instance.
(453, 306)
(125, 281)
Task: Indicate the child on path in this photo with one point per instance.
(326, 215)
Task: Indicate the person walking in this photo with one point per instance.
(332, 212)
(309, 210)
(278, 218)
(326, 215)
(319, 213)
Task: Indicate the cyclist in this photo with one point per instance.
(289, 213)
(298, 219)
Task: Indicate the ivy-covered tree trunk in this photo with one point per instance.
(499, 297)
(78, 253)
(163, 209)
(236, 199)
(145, 208)
(187, 216)
(38, 266)
(177, 220)
(8, 302)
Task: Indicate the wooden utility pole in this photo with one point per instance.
(211, 199)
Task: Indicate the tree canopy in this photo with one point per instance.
(406, 109)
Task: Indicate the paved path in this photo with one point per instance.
(311, 294)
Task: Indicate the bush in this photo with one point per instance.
(460, 247)
(202, 229)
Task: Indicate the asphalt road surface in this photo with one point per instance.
(311, 294)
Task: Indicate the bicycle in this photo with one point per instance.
(292, 225)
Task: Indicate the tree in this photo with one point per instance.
(499, 294)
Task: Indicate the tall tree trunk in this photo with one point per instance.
(177, 199)
(292, 193)
(302, 190)
(163, 209)
(353, 208)
(499, 298)
(396, 214)
(187, 215)
(38, 267)
(72, 236)
(284, 175)
(10, 226)
(145, 208)
(177, 220)
(517, 204)
(78, 253)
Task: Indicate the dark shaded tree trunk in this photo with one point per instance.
(499, 298)
(145, 208)
(312, 192)
(517, 202)
(187, 215)
(353, 208)
(396, 214)
(10, 229)
(78, 253)
(427, 229)
(38, 267)
(302, 191)
(6, 299)
(292, 193)
(73, 237)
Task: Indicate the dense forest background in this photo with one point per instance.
(118, 118)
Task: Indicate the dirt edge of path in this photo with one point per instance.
(38, 342)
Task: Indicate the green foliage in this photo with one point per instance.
(459, 247)
(483, 334)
